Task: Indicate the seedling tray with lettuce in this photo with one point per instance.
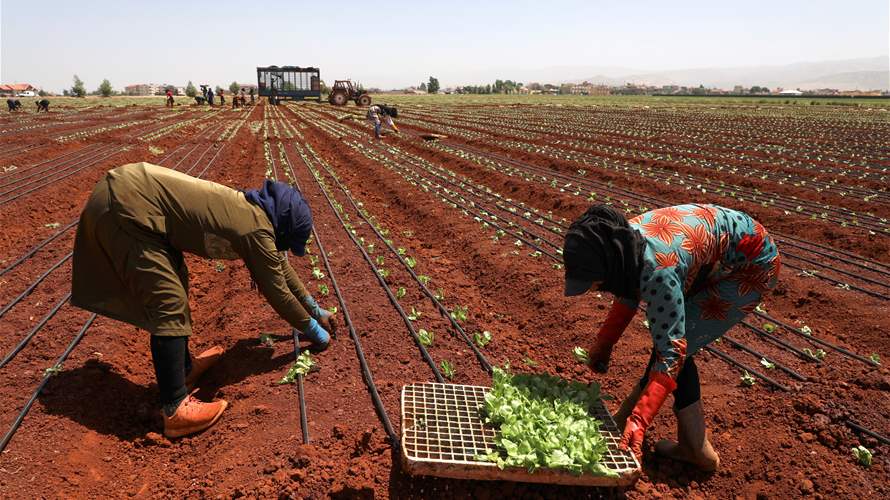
(531, 428)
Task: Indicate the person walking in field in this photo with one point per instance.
(378, 112)
(222, 99)
(252, 97)
(699, 269)
(210, 96)
(128, 265)
(169, 103)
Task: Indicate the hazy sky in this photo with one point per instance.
(395, 44)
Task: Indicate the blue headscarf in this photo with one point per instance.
(288, 212)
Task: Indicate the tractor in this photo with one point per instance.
(344, 90)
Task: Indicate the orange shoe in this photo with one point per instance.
(201, 363)
(192, 416)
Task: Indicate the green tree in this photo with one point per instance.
(423, 86)
(433, 86)
(78, 90)
(190, 89)
(42, 93)
(105, 88)
(234, 87)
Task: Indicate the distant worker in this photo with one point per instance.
(700, 269)
(378, 111)
(210, 96)
(243, 95)
(273, 95)
(169, 98)
(128, 265)
(199, 100)
(252, 97)
(13, 105)
(222, 98)
(43, 104)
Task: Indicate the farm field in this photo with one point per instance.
(456, 237)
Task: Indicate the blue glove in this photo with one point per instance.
(316, 334)
(326, 318)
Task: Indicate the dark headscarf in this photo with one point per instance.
(601, 246)
(288, 212)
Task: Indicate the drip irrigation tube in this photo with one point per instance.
(486, 365)
(857, 426)
(21, 345)
(37, 248)
(21, 416)
(33, 285)
(304, 421)
(758, 354)
(772, 338)
(356, 341)
(817, 340)
(392, 298)
(752, 371)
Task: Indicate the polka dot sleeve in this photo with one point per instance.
(665, 310)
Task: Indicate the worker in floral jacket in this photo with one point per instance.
(128, 265)
(699, 269)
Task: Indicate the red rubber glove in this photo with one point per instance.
(659, 386)
(610, 331)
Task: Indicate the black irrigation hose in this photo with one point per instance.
(356, 341)
(816, 340)
(772, 338)
(21, 345)
(647, 199)
(857, 426)
(760, 332)
(442, 309)
(392, 298)
(800, 242)
(56, 168)
(752, 371)
(841, 271)
(836, 281)
(29, 168)
(33, 285)
(21, 416)
(93, 162)
(304, 420)
(37, 247)
(758, 354)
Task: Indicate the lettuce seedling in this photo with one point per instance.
(581, 355)
(400, 292)
(383, 272)
(806, 330)
(317, 274)
(439, 295)
(447, 369)
(482, 339)
(767, 364)
(401, 251)
(411, 262)
(380, 260)
(53, 370)
(266, 340)
(459, 313)
(323, 289)
(544, 421)
(747, 379)
(426, 338)
(818, 353)
(415, 314)
(862, 455)
(424, 279)
(875, 358)
(301, 366)
(769, 327)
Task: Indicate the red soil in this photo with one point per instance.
(95, 429)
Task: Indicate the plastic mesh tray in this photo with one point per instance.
(442, 433)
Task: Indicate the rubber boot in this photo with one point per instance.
(192, 416)
(201, 363)
(627, 406)
(693, 446)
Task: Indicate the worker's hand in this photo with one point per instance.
(317, 335)
(395, 128)
(328, 322)
(634, 431)
(599, 356)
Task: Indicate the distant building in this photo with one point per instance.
(143, 89)
(791, 92)
(587, 88)
(18, 90)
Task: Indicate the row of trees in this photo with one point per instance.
(498, 87)
(79, 89)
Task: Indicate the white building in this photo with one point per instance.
(791, 92)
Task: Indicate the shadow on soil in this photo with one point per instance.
(98, 397)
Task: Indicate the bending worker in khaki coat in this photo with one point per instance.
(128, 265)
